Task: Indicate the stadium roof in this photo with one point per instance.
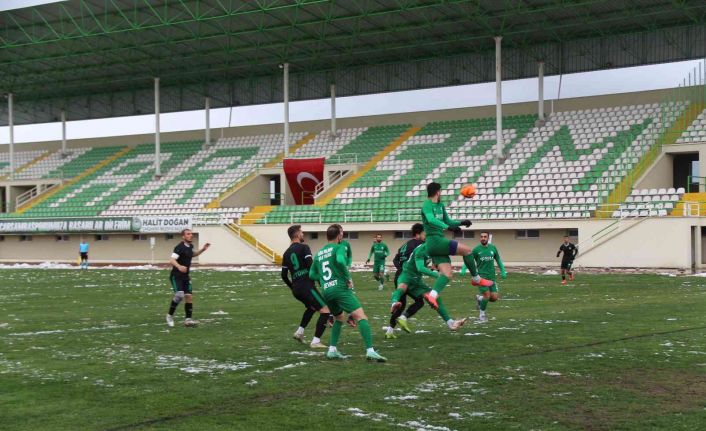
(97, 58)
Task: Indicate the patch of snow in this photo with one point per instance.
(219, 313)
(551, 373)
(550, 272)
(288, 366)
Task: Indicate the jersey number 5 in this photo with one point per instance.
(326, 270)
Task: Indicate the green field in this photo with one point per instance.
(90, 351)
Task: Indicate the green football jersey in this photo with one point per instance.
(379, 250)
(435, 219)
(485, 257)
(349, 252)
(417, 264)
(330, 267)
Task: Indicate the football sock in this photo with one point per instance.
(364, 328)
(470, 264)
(172, 307)
(412, 310)
(563, 276)
(306, 317)
(483, 303)
(442, 310)
(397, 294)
(335, 333)
(439, 285)
(188, 307)
(321, 325)
(299, 331)
(390, 329)
(316, 340)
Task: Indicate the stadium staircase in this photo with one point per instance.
(86, 162)
(266, 251)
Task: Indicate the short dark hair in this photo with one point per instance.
(566, 236)
(293, 229)
(432, 189)
(333, 231)
(183, 231)
(417, 228)
(485, 232)
(378, 234)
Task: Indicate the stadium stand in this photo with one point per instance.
(562, 169)
(695, 132)
(650, 203)
(22, 158)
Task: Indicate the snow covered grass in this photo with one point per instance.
(90, 350)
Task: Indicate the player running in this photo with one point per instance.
(567, 259)
(330, 269)
(485, 255)
(402, 256)
(83, 253)
(380, 252)
(436, 221)
(297, 260)
(412, 283)
(179, 277)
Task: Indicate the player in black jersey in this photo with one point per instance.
(179, 277)
(297, 261)
(567, 259)
(401, 257)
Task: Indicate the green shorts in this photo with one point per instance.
(493, 289)
(378, 267)
(439, 248)
(415, 287)
(340, 300)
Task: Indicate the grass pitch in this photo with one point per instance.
(91, 351)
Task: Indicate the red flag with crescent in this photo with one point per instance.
(303, 175)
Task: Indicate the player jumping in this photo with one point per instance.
(297, 260)
(436, 221)
(402, 256)
(567, 259)
(179, 277)
(330, 269)
(412, 284)
(486, 255)
(380, 252)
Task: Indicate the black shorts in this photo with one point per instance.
(308, 295)
(180, 284)
(84, 256)
(566, 264)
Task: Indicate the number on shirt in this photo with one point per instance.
(326, 270)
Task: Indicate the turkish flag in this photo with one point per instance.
(303, 175)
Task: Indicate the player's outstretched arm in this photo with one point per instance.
(372, 251)
(204, 248)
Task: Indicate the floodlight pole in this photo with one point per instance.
(157, 161)
(11, 125)
(285, 66)
(208, 121)
(333, 110)
(541, 89)
(63, 133)
(498, 99)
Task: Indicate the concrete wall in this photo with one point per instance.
(226, 248)
(251, 194)
(659, 175)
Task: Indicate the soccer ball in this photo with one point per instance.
(468, 191)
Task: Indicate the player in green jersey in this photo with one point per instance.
(486, 255)
(436, 221)
(330, 269)
(412, 283)
(379, 251)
